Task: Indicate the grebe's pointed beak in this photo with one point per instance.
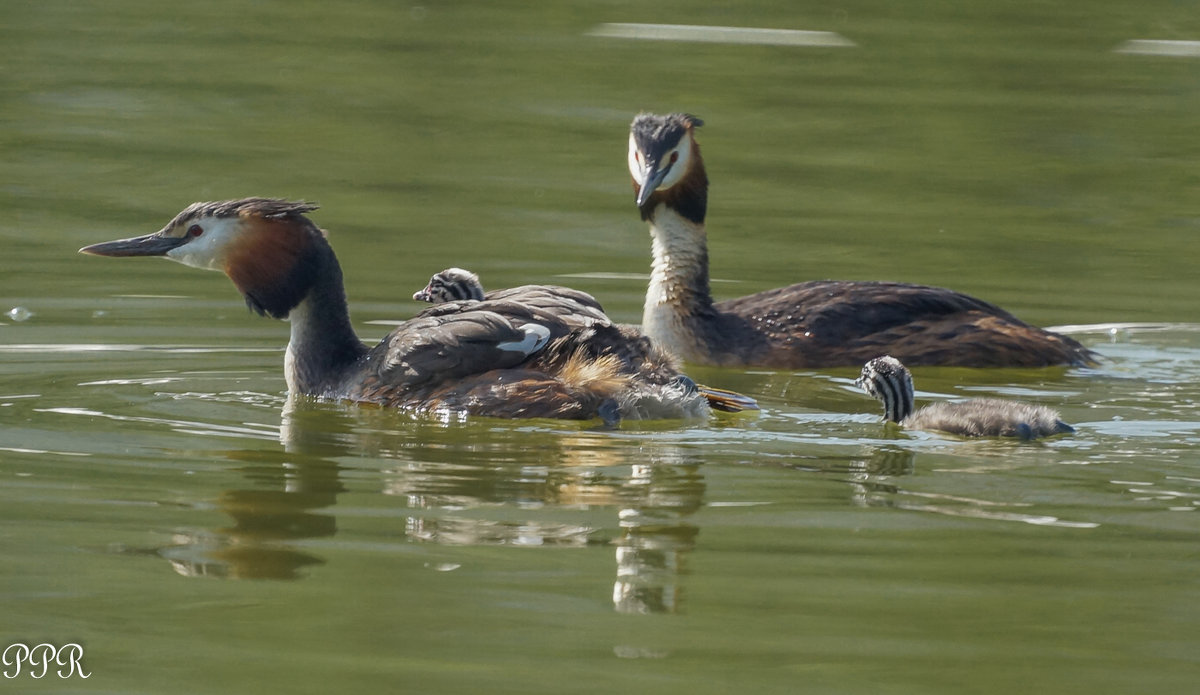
(653, 177)
(156, 244)
(727, 401)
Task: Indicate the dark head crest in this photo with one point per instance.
(270, 208)
(656, 134)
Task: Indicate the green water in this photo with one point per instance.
(160, 505)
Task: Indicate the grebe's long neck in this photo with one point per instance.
(679, 267)
(323, 345)
(679, 300)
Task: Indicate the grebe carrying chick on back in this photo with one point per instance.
(529, 352)
(457, 284)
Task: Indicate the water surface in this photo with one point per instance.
(165, 507)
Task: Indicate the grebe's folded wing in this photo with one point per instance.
(452, 346)
(579, 308)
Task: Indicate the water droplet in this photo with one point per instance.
(19, 313)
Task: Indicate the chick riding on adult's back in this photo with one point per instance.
(533, 352)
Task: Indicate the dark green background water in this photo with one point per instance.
(160, 507)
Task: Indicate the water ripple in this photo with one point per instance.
(246, 430)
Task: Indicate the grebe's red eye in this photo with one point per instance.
(674, 157)
(195, 230)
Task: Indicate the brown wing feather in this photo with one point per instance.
(514, 393)
(447, 347)
(450, 357)
(836, 323)
(576, 307)
(454, 349)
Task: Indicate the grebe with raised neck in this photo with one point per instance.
(824, 323)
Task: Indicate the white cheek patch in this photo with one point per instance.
(189, 255)
(680, 166)
(635, 166)
(208, 250)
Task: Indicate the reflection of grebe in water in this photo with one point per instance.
(583, 490)
(656, 538)
(284, 501)
(651, 501)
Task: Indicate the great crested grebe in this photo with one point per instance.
(456, 284)
(890, 381)
(528, 352)
(823, 323)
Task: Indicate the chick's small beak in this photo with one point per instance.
(156, 244)
(422, 295)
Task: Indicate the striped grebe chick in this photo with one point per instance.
(451, 285)
(456, 284)
(824, 323)
(888, 380)
(527, 352)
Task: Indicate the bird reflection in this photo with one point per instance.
(869, 477)
(625, 495)
(655, 538)
(290, 490)
(652, 498)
